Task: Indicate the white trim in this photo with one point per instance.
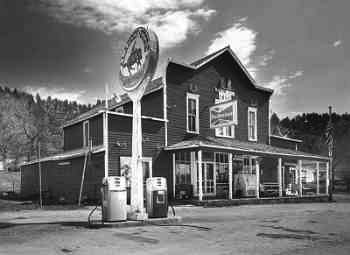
(257, 175)
(105, 143)
(286, 138)
(327, 178)
(279, 177)
(174, 174)
(88, 133)
(82, 119)
(200, 177)
(230, 179)
(255, 111)
(165, 105)
(246, 150)
(196, 98)
(300, 183)
(130, 115)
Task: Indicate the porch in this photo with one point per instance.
(210, 169)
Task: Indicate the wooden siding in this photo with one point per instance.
(64, 180)
(206, 79)
(96, 130)
(151, 105)
(73, 135)
(119, 137)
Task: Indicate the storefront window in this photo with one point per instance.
(323, 178)
(222, 167)
(249, 165)
(183, 168)
(308, 180)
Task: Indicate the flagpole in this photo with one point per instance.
(330, 154)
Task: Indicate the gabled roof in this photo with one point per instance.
(153, 86)
(201, 62)
(244, 147)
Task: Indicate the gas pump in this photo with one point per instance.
(157, 197)
(113, 193)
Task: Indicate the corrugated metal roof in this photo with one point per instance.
(246, 147)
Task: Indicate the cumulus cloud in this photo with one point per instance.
(59, 93)
(337, 43)
(173, 20)
(240, 38)
(279, 83)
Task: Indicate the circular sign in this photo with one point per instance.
(139, 59)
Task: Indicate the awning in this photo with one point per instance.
(252, 148)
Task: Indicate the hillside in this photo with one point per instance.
(27, 121)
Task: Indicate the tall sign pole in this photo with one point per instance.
(137, 67)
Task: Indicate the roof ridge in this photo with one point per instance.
(204, 58)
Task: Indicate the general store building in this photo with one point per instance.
(200, 163)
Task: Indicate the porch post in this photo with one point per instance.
(317, 178)
(257, 173)
(279, 177)
(193, 170)
(230, 176)
(300, 184)
(174, 175)
(327, 178)
(200, 179)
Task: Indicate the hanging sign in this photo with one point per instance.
(224, 114)
(139, 59)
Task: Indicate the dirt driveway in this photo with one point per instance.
(315, 228)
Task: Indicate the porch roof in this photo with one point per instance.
(67, 155)
(245, 147)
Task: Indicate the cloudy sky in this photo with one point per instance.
(71, 48)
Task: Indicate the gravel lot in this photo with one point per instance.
(314, 228)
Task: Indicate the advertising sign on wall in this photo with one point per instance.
(224, 114)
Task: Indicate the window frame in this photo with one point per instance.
(255, 111)
(86, 143)
(196, 98)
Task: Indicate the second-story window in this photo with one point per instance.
(225, 95)
(192, 110)
(252, 124)
(86, 131)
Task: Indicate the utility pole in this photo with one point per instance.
(40, 183)
(330, 141)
